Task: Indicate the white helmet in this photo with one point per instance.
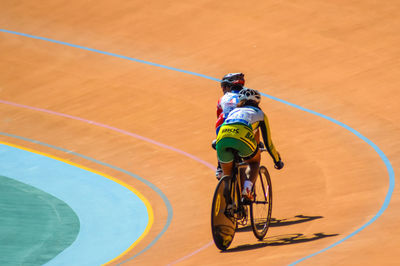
(249, 94)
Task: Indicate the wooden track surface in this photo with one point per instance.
(338, 58)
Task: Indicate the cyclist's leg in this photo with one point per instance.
(254, 166)
(252, 156)
(227, 168)
(243, 176)
(225, 155)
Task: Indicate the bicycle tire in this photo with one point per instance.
(261, 206)
(223, 227)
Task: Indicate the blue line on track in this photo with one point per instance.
(108, 53)
(359, 135)
(380, 153)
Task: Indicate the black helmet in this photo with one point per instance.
(233, 80)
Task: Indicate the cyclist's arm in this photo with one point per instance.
(266, 134)
(219, 122)
(219, 108)
(257, 136)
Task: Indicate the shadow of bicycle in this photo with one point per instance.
(283, 222)
(293, 220)
(281, 240)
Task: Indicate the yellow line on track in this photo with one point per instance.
(136, 192)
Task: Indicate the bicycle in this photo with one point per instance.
(228, 211)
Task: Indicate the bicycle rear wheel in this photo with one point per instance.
(261, 207)
(223, 224)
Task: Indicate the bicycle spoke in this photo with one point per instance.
(262, 206)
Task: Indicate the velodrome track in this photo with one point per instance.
(129, 89)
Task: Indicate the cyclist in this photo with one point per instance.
(231, 84)
(241, 132)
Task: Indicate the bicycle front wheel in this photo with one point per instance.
(261, 207)
(223, 224)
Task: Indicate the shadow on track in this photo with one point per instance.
(283, 222)
(294, 220)
(281, 240)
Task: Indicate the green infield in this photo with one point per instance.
(34, 225)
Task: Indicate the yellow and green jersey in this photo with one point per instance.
(255, 119)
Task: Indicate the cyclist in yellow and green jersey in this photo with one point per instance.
(241, 132)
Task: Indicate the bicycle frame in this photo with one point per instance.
(239, 213)
(235, 191)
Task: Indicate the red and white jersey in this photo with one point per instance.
(227, 103)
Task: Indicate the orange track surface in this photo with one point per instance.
(339, 58)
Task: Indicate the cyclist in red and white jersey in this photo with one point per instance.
(231, 84)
